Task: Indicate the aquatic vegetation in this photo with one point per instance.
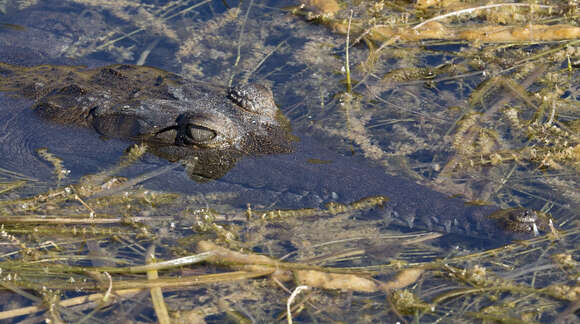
(471, 98)
(194, 45)
(99, 253)
(59, 170)
(510, 118)
(20, 4)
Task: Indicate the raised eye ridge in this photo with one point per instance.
(255, 98)
(241, 97)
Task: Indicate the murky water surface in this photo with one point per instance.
(394, 137)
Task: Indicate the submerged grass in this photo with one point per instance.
(468, 97)
(106, 260)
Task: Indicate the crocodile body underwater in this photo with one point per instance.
(218, 128)
(182, 120)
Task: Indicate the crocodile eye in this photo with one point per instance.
(204, 130)
(199, 134)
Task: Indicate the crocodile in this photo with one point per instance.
(178, 118)
(186, 120)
